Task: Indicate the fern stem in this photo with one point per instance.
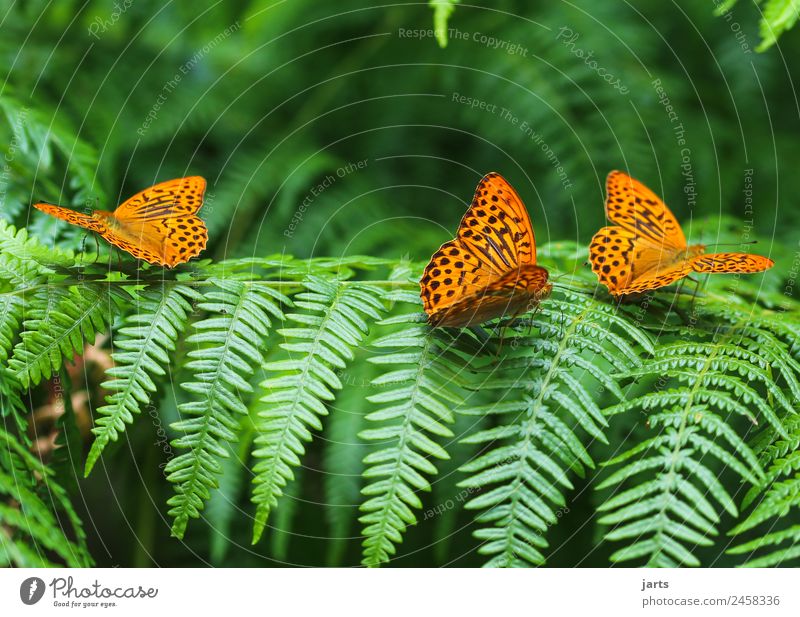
(680, 440)
(509, 552)
(388, 283)
(263, 508)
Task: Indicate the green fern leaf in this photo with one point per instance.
(777, 501)
(149, 335)
(442, 10)
(16, 243)
(778, 17)
(703, 385)
(417, 398)
(227, 346)
(35, 526)
(333, 324)
(15, 275)
(59, 322)
(543, 396)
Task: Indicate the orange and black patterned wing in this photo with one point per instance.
(731, 263)
(489, 267)
(626, 265)
(496, 228)
(181, 196)
(515, 293)
(611, 253)
(453, 275)
(159, 224)
(167, 241)
(634, 207)
(71, 216)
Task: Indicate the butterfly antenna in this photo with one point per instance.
(555, 279)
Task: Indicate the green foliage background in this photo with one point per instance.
(333, 131)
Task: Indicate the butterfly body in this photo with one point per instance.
(157, 225)
(489, 269)
(646, 249)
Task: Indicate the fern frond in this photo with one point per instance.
(332, 326)
(41, 134)
(32, 511)
(11, 404)
(704, 385)
(15, 242)
(227, 347)
(15, 275)
(728, 367)
(149, 335)
(778, 17)
(544, 400)
(777, 501)
(59, 322)
(418, 397)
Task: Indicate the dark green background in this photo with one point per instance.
(300, 89)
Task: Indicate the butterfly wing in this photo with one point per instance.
(166, 242)
(181, 196)
(71, 216)
(634, 207)
(646, 249)
(743, 263)
(159, 223)
(487, 268)
(627, 265)
(515, 293)
(453, 274)
(611, 255)
(496, 228)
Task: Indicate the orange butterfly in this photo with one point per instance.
(490, 267)
(647, 249)
(158, 224)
